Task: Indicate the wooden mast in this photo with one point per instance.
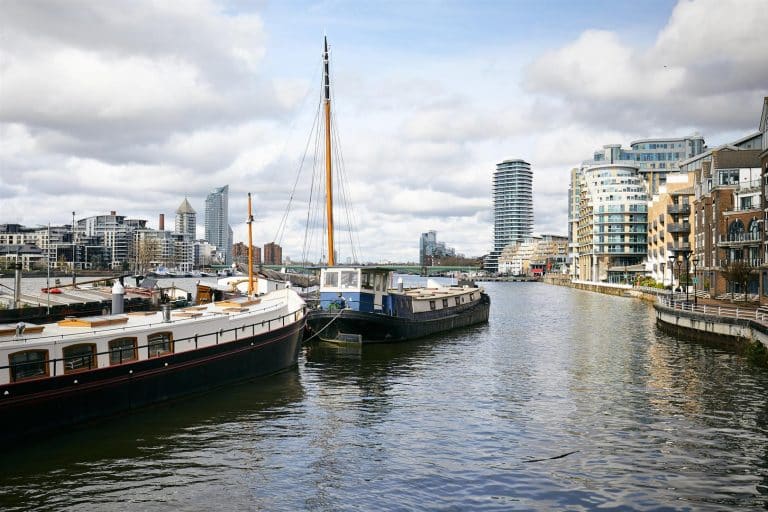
(250, 247)
(328, 173)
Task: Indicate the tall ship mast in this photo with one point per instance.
(328, 155)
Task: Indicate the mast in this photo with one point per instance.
(328, 182)
(250, 247)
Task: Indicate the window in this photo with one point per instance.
(28, 364)
(432, 305)
(159, 344)
(445, 303)
(79, 357)
(349, 279)
(471, 296)
(367, 281)
(458, 301)
(122, 350)
(331, 279)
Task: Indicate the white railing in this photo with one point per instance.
(675, 302)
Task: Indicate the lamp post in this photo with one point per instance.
(687, 255)
(679, 269)
(695, 262)
(672, 273)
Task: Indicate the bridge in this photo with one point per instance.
(400, 269)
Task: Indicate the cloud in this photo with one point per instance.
(706, 69)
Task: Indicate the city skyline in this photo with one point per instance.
(114, 115)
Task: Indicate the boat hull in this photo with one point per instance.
(32, 407)
(360, 327)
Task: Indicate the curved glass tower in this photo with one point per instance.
(512, 207)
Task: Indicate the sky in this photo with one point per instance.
(133, 106)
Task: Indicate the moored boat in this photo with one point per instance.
(358, 306)
(59, 374)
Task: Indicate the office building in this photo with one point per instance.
(217, 229)
(431, 251)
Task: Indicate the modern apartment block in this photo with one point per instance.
(654, 158)
(728, 215)
(512, 207)
(670, 221)
(534, 255)
(217, 229)
(612, 220)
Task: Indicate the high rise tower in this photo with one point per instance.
(186, 220)
(217, 230)
(512, 207)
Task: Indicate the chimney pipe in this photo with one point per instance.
(113, 213)
(161, 224)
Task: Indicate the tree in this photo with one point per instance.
(738, 272)
(146, 252)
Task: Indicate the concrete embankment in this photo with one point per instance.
(740, 329)
(619, 290)
(744, 330)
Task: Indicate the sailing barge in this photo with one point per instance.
(359, 304)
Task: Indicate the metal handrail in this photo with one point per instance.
(758, 314)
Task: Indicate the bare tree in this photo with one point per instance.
(738, 272)
(146, 252)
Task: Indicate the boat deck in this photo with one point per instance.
(134, 320)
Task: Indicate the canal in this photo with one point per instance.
(565, 400)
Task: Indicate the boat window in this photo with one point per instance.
(445, 303)
(349, 279)
(432, 305)
(458, 301)
(377, 286)
(79, 357)
(471, 296)
(159, 343)
(28, 364)
(331, 279)
(367, 281)
(122, 350)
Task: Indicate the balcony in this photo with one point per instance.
(679, 209)
(679, 227)
(748, 237)
(752, 263)
(680, 246)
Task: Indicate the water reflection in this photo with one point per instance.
(188, 441)
(453, 422)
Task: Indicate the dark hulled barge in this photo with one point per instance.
(359, 305)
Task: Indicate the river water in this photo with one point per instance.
(565, 400)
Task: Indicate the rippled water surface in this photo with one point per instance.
(565, 400)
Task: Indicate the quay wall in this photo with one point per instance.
(746, 334)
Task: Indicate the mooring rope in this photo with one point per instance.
(325, 326)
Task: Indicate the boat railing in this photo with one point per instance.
(37, 368)
(56, 338)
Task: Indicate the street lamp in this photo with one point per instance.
(672, 273)
(695, 262)
(687, 255)
(679, 274)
